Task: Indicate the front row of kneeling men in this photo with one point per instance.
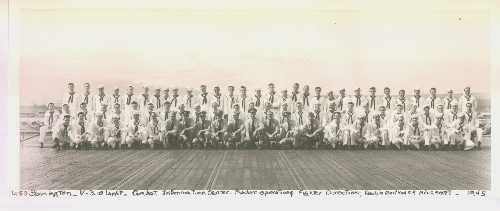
(367, 129)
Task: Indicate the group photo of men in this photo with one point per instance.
(237, 118)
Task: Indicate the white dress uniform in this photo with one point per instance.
(305, 98)
(374, 102)
(385, 127)
(127, 100)
(318, 100)
(147, 116)
(121, 115)
(189, 102)
(358, 101)
(98, 132)
(135, 133)
(348, 120)
(153, 133)
(64, 133)
(333, 132)
(451, 116)
(341, 103)
(398, 134)
(473, 123)
(418, 101)
(243, 101)
(329, 102)
(433, 102)
(468, 99)
(157, 101)
(439, 133)
(373, 133)
(100, 100)
(115, 134)
(427, 123)
(81, 132)
(258, 102)
(448, 102)
(388, 102)
(72, 101)
(116, 99)
(219, 99)
(143, 101)
(404, 102)
(203, 100)
(281, 102)
(229, 101)
(414, 135)
(175, 102)
(294, 98)
(50, 119)
(274, 100)
(88, 99)
(328, 117)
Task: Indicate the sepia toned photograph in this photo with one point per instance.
(314, 98)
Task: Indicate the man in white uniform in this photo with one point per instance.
(50, 118)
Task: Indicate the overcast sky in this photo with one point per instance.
(347, 47)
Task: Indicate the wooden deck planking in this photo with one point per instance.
(252, 169)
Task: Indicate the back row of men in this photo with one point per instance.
(293, 110)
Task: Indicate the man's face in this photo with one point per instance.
(331, 108)
(203, 89)
(387, 92)
(116, 107)
(433, 92)
(66, 108)
(270, 87)
(216, 90)
(251, 105)
(189, 93)
(81, 117)
(146, 90)
(350, 106)
(417, 92)
(469, 107)
(455, 108)
(157, 92)
(381, 110)
(401, 121)
(66, 121)
(372, 92)
(400, 108)
(252, 115)
(197, 109)
(306, 89)
(450, 94)
(101, 91)
(104, 108)
(83, 106)
(136, 118)
(330, 95)
(440, 109)
(300, 107)
(71, 87)
(467, 91)
(166, 92)
(426, 110)
(243, 91)
(311, 118)
(203, 116)
(230, 89)
(51, 106)
(414, 121)
(86, 87)
(317, 91)
(130, 90)
(401, 93)
(99, 118)
(357, 92)
(175, 92)
(150, 107)
(134, 106)
(296, 87)
(258, 92)
(116, 91)
(116, 121)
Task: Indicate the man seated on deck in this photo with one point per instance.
(234, 132)
(153, 132)
(398, 132)
(217, 130)
(202, 132)
(374, 133)
(81, 132)
(170, 131)
(348, 122)
(459, 133)
(269, 134)
(50, 118)
(359, 132)
(414, 133)
(476, 135)
(333, 131)
(115, 134)
(63, 133)
(135, 131)
(427, 122)
(98, 129)
(438, 132)
(311, 134)
(186, 128)
(384, 126)
(252, 128)
(288, 133)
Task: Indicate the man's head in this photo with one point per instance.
(450, 93)
(216, 89)
(372, 91)
(381, 109)
(71, 87)
(83, 106)
(146, 89)
(157, 92)
(357, 92)
(173, 115)
(116, 106)
(426, 109)
(342, 92)
(469, 106)
(101, 89)
(399, 107)
(269, 114)
(311, 116)
(270, 87)
(203, 115)
(50, 106)
(116, 91)
(136, 116)
(65, 108)
(440, 108)
(432, 91)
(305, 88)
(166, 105)
(151, 106)
(166, 92)
(467, 90)
(401, 120)
(337, 115)
(300, 106)
(416, 92)
(401, 93)
(203, 88)
(243, 90)
(130, 90)
(414, 121)
(175, 91)
(387, 91)
(81, 116)
(258, 92)
(230, 89)
(252, 112)
(296, 87)
(104, 108)
(350, 106)
(86, 87)
(66, 119)
(317, 90)
(330, 95)
(116, 120)
(284, 93)
(287, 115)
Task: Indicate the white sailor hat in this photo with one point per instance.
(116, 88)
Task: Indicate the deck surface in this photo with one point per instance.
(252, 169)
